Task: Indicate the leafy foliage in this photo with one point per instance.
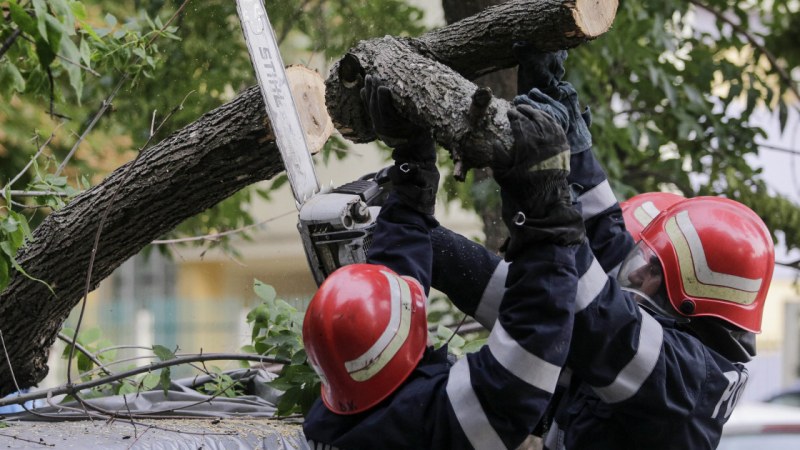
(673, 102)
(277, 332)
(674, 88)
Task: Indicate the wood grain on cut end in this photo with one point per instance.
(594, 17)
(308, 91)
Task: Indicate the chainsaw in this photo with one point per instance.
(335, 225)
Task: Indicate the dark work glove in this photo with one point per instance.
(538, 69)
(565, 109)
(410, 142)
(537, 200)
(415, 178)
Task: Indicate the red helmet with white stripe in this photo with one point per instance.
(717, 257)
(639, 210)
(364, 332)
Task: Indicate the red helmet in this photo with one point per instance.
(717, 258)
(639, 210)
(364, 331)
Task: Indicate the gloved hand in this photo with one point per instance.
(565, 109)
(415, 178)
(544, 71)
(538, 69)
(537, 200)
(410, 142)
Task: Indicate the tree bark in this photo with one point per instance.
(230, 148)
(503, 84)
(196, 167)
(429, 75)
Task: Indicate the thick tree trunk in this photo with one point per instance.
(428, 75)
(228, 149)
(222, 152)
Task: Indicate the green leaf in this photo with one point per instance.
(165, 380)
(150, 381)
(78, 10)
(264, 291)
(70, 51)
(248, 349)
(288, 401)
(126, 388)
(89, 336)
(25, 22)
(44, 53)
(4, 269)
(110, 20)
(163, 353)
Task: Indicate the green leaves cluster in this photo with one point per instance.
(14, 233)
(60, 39)
(673, 102)
(277, 332)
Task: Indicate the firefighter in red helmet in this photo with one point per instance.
(365, 329)
(662, 328)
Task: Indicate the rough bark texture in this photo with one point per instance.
(429, 75)
(188, 172)
(503, 84)
(229, 149)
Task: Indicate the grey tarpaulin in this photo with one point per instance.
(191, 420)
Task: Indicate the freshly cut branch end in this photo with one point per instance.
(594, 17)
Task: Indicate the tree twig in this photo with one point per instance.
(38, 152)
(95, 247)
(64, 389)
(216, 236)
(85, 351)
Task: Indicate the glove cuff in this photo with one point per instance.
(548, 215)
(416, 185)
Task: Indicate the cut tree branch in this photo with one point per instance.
(195, 168)
(230, 148)
(429, 75)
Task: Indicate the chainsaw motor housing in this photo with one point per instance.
(336, 227)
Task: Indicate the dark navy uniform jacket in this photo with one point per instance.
(490, 399)
(633, 380)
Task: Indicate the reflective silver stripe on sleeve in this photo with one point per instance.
(488, 307)
(596, 200)
(523, 364)
(589, 286)
(468, 409)
(630, 379)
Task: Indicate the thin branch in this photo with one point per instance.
(38, 152)
(787, 79)
(8, 361)
(216, 236)
(16, 193)
(69, 389)
(85, 351)
(10, 41)
(792, 265)
(27, 440)
(127, 171)
(779, 149)
(67, 60)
